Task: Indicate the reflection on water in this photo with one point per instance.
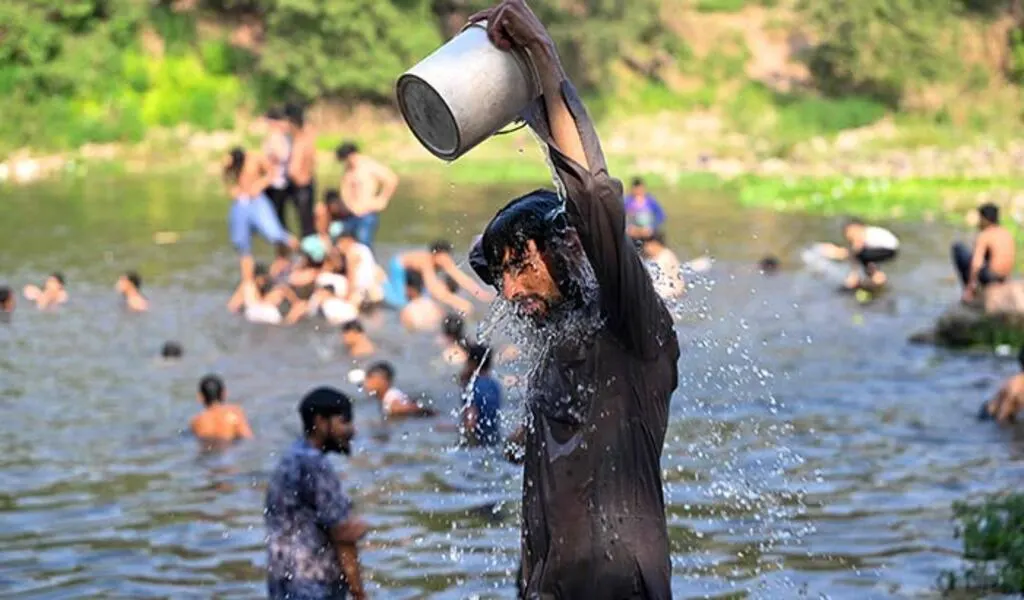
(810, 449)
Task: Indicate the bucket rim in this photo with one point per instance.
(403, 81)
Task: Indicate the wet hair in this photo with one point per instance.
(236, 161)
(58, 276)
(346, 149)
(989, 212)
(347, 234)
(441, 247)
(133, 277)
(414, 280)
(211, 388)
(480, 356)
(769, 264)
(324, 402)
(295, 114)
(454, 327)
(332, 196)
(852, 221)
(538, 216)
(260, 270)
(172, 349)
(638, 181)
(384, 368)
(274, 113)
(5, 294)
(354, 326)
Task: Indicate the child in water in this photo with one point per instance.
(219, 421)
(379, 384)
(129, 286)
(51, 294)
(1008, 400)
(480, 419)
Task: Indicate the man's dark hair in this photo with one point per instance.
(260, 270)
(171, 349)
(769, 264)
(274, 113)
(454, 326)
(133, 277)
(989, 212)
(5, 294)
(383, 368)
(324, 402)
(332, 196)
(234, 167)
(480, 357)
(211, 388)
(539, 217)
(852, 221)
(346, 149)
(352, 326)
(295, 114)
(58, 276)
(348, 234)
(441, 247)
(414, 280)
(637, 181)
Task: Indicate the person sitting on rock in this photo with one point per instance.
(991, 260)
(1008, 400)
(867, 245)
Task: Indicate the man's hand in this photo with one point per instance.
(511, 24)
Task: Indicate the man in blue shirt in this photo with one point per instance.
(480, 419)
(644, 216)
(311, 534)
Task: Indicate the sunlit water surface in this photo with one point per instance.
(810, 449)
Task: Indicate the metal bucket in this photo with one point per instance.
(464, 93)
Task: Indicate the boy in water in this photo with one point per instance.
(431, 264)
(480, 419)
(453, 334)
(868, 246)
(421, 313)
(364, 276)
(53, 292)
(1008, 401)
(644, 216)
(379, 384)
(667, 272)
(171, 350)
(355, 340)
(6, 300)
(991, 260)
(129, 286)
(219, 421)
(366, 187)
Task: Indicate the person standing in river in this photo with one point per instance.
(366, 189)
(302, 168)
(593, 509)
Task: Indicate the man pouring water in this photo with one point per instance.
(593, 511)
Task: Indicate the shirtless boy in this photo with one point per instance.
(219, 421)
(366, 188)
(991, 260)
(438, 257)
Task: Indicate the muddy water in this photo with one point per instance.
(810, 450)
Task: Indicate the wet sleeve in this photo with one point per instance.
(594, 203)
(331, 504)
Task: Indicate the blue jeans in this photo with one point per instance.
(364, 228)
(248, 214)
(394, 287)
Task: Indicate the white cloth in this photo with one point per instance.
(337, 280)
(365, 278)
(337, 311)
(393, 398)
(881, 238)
(260, 312)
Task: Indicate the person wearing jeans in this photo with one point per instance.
(366, 190)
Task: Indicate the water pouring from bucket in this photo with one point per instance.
(465, 92)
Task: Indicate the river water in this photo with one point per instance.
(811, 451)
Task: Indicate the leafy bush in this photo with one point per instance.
(993, 535)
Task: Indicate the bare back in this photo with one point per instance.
(223, 423)
(998, 244)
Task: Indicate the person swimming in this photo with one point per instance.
(129, 286)
(219, 421)
(353, 337)
(481, 424)
(53, 293)
(379, 384)
(453, 336)
(1009, 400)
(421, 312)
(593, 515)
(769, 265)
(171, 350)
(431, 264)
(6, 300)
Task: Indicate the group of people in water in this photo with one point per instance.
(587, 271)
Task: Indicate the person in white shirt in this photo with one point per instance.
(379, 383)
(365, 277)
(867, 246)
(666, 272)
